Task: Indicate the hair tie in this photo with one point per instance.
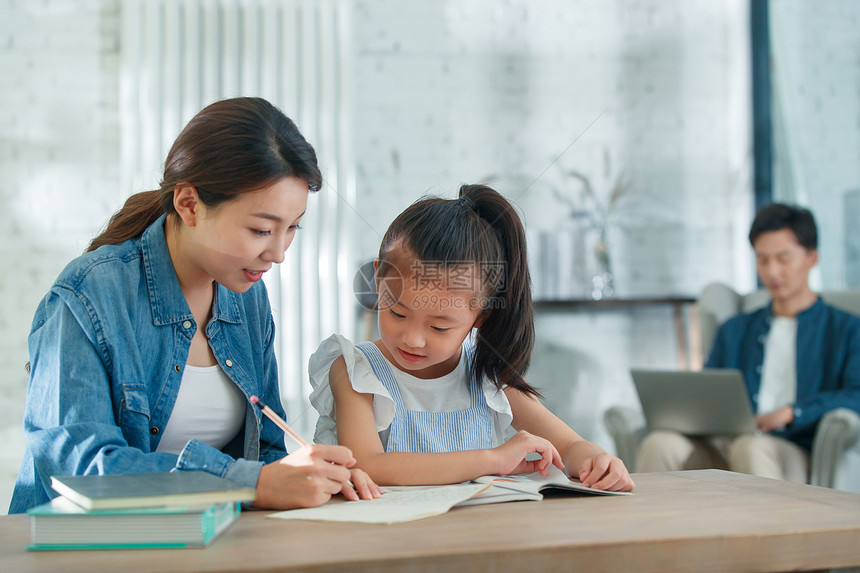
(464, 200)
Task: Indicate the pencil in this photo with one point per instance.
(278, 421)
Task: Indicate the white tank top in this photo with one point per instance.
(209, 407)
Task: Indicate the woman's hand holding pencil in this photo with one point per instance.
(311, 475)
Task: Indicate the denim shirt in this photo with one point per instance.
(828, 362)
(108, 347)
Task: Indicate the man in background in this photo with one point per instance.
(799, 356)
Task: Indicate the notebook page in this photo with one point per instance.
(396, 505)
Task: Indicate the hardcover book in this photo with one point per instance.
(62, 524)
(126, 491)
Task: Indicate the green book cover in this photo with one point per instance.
(61, 524)
(124, 491)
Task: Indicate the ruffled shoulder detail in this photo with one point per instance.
(497, 401)
(361, 377)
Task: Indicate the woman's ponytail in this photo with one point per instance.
(139, 212)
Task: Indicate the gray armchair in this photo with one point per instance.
(835, 459)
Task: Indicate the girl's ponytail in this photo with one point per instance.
(505, 338)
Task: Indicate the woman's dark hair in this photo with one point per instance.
(231, 147)
(777, 216)
(480, 228)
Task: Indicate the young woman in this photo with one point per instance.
(146, 350)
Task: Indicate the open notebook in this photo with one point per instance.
(406, 503)
(525, 487)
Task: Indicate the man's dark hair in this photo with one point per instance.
(778, 216)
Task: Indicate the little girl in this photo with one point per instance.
(431, 400)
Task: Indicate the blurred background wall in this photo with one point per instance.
(568, 108)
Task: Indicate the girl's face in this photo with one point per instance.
(425, 314)
(238, 241)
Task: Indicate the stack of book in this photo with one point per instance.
(152, 510)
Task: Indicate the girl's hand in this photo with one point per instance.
(511, 456)
(306, 478)
(602, 471)
(362, 486)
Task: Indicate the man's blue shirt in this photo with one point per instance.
(828, 362)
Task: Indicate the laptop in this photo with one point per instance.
(708, 402)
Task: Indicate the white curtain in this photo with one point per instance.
(180, 55)
(789, 178)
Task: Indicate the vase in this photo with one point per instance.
(602, 281)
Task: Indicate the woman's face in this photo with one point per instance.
(238, 241)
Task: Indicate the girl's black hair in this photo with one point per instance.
(483, 230)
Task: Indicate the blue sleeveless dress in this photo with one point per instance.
(433, 432)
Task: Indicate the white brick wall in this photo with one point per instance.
(458, 92)
(58, 168)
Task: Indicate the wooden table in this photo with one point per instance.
(701, 521)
